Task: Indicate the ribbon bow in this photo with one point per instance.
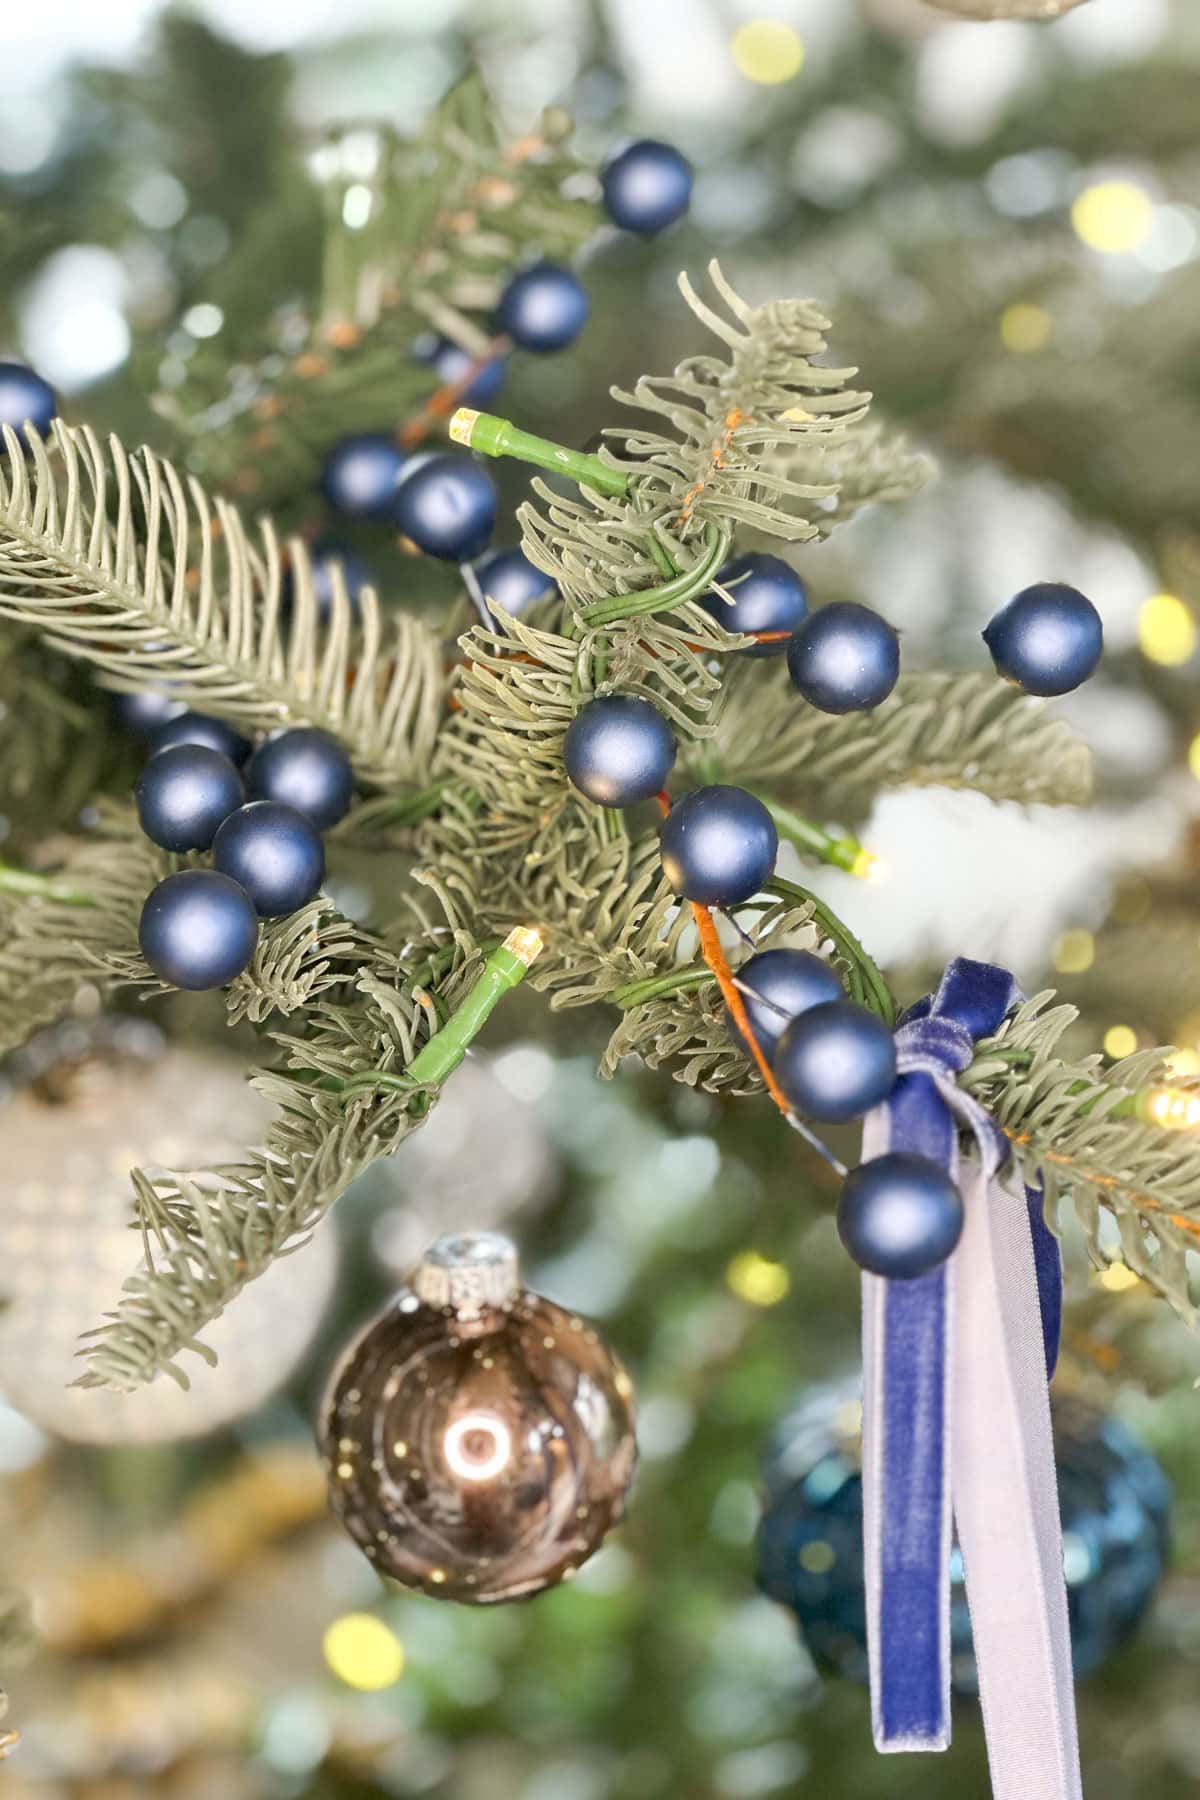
(956, 1426)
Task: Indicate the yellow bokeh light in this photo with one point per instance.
(1184, 1062)
(1119, 1041)
(1194, 756)
(759, 1282)
(767, 51)
(1113, 216)
(1024, 327)
(1117, 1277)
(1166, 630)
(1074, 952)
(363, 1652)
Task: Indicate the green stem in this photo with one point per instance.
(677, 592)
(500, 437)
(652, 987)
(866, 982)
(44, 887)
(842, 852)
(504, 969)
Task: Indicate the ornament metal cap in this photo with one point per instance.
(471, 1272)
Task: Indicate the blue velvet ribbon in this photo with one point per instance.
(908, 1347)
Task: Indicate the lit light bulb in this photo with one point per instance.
(478, 1446)
(1176, 1109)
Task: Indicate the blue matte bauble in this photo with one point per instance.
(146, 711)
(1114, 1502)
(198, 929)
(184, 793)
(718, 845)
(275, 853)
(844, 658)
(198, 728)
(1048, 639)
(768, 595)
(361, 474)
(618, 750)
(508, 579)
(646, 186)
(899, 1215)
(776, 987)
(836, 1061)
(450, 362)
(543, 308)
(305, 769)
(447, 507)
(25, 399)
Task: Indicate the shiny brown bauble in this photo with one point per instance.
(479, 1445)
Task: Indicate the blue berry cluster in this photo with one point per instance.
(260, 813)
(444, 502)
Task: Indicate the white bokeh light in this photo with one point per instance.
(72, 318)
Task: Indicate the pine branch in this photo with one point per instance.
(1071, 1129)
(447, 217)
(120, 560)
(936, 730)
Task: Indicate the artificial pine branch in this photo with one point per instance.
(122, 561)
(446, 218)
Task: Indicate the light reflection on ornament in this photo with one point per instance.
(478, 1446)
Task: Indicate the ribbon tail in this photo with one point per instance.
(906, 1498)
(1006, 1502)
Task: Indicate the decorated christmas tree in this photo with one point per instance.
(294, 720)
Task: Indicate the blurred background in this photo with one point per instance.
(1002, 220)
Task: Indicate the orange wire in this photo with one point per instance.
(446, 398)
(714, 956)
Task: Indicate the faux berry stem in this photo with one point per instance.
(43, 887)
(493, 436)
(866, 982)
(504, 969)
(446, 398)
(676, 592)
(816, 840)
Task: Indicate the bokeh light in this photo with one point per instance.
(1113, 217)
(364, 1652)
(1024, 327)
(1119, 1041)
(1074, 952)
(757, 1280)
(767, 51)
(1166, 630)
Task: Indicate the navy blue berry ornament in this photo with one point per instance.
(508, 579)
(844, 658)
(25, 399)
(718, 845)
(899, 1215)
(305, 769)
(198, 728)
(184, 793)
(767, 595)
(361, 474)
(447, 507)
(450, 362)
(776, 987)
(836, 1061)
(619, 749)
(275, 853)
(1114, 1501)
(646, 186)
(1048, 639)
(543, 308)
(146, 711)
(198, 929)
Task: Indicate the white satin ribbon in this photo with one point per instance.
(1005, 1499)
